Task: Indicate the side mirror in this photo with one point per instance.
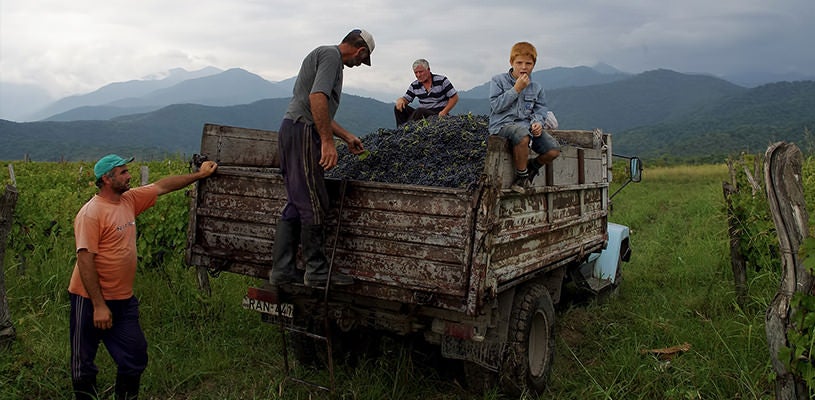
(634, 172)
(635, 169)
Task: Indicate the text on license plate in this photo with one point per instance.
(284, 310)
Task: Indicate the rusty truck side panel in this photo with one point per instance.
(439, 248)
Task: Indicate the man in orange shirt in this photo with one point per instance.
(103, 307)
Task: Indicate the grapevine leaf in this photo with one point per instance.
(806, 253)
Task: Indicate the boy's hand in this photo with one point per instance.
(536, 129)
(522, 82)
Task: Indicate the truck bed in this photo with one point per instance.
(439, 248)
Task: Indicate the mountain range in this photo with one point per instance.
(659, 114)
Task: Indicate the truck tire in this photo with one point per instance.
(530, 342)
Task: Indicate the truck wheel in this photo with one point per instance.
(531, 341)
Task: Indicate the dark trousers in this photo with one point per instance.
(299, 147)
(125, 341)
(412, 114)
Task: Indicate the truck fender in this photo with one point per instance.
(618, 249)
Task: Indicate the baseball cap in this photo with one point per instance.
(369, 42)
(109, 162)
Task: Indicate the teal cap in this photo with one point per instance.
(109, 162)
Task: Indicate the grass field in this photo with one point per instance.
(678, 288)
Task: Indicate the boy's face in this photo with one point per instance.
(522, 65)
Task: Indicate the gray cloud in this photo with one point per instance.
(78, 46)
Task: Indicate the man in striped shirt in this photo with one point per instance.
(436, 95)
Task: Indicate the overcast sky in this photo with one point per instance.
(77, 46)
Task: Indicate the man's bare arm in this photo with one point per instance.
(102, 317)
(450, 104)
(173, 183)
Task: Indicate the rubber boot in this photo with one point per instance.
(85, 388)
(312, 239)
(127, 387)
(284, 257)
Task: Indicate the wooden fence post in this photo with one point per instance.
(145, 175)
(11, 175)
(782, 175)
(737, 263)
(9, 201)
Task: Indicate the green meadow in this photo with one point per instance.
(677, 290)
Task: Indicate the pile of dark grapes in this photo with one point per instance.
(447, 152)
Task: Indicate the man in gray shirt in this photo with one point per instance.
(307, 150)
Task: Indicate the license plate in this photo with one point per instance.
(282, 310)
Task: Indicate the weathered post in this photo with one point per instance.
(737, 262)
(145, 175)
(9, 201)
(782, 175)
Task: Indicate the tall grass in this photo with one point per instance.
(677, 288)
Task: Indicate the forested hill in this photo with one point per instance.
(748, 121)
(658, 115)
(172, 130)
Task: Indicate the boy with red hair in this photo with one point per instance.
(519, 113)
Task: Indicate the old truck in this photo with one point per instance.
(473, 272)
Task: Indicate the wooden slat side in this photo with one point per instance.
(229, 145)
(443, 202)
(405, 272)
(401, 237)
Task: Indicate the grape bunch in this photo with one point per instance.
(438, 151)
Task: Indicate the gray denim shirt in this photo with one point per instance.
(510, 107)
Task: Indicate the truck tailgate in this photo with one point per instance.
(404, 243)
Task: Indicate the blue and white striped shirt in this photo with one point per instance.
(440, 93)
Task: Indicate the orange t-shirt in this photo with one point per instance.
(108, 230)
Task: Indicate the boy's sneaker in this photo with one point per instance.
(521, 183)
(534, 168)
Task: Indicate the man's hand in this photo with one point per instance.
(522, 82)
(175, 182)
(401, 103)
(207, 168)
(102, 317)
(329, 155)
(355, 145)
